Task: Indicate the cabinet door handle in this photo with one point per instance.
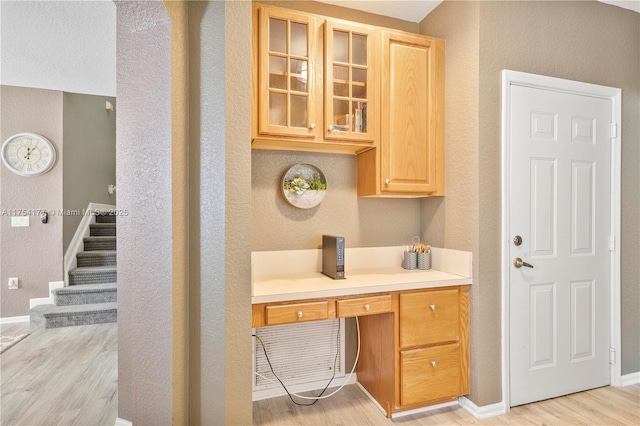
(433, 307)
(312, 126)
(299, 314)
(367, 307)
(387, 181)
(342, 128)
(433, 363)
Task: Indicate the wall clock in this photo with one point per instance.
(28, 154)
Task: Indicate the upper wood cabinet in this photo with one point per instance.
(328, 85)
(350, 92)
(314, 82)
(285, 74)
(409, 160)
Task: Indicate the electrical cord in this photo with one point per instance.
(320, 396)
(264, 349)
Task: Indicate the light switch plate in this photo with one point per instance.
(19, 221)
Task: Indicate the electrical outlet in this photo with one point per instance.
(13, 283)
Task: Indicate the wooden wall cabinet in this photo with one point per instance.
(286, 76)
(349, 74)
(314, 83)
(329, 85)
(409, 159)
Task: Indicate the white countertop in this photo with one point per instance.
(310, 285)
(294, 275)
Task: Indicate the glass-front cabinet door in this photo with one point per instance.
(286, 77)
(350, 97)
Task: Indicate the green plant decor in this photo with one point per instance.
(299, 185)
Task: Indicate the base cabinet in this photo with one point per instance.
(430, 351)
(414, 344)
(430, 374)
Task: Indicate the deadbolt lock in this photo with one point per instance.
(517, 240)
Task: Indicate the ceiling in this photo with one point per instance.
(416, 10)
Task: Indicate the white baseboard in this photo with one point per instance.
(630, 379)
(11, 320)
(408, 412)
(499, 408)
(122, 422)
(423, 409)
(39, 301)
(485, 411)
(46, 300)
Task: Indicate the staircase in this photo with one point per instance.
(90, 297)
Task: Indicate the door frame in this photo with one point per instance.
(509, 79)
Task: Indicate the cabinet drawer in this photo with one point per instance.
(364, 306)
(299, 312)
(430, 374)
(429, 317)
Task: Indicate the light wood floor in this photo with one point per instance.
(602, 406)
(68, 376)
(61, 376)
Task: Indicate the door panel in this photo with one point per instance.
(560, 204)
(408, 160)
(582, 320)
(543, 325)
(543, 224)
(582, 207)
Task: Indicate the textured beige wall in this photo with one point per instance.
(585, 41)
(90, 155)
(452, 221)
(33, 254)
(143, 162)
(237, 255)
(364, 222)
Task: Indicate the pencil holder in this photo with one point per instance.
(424, 260)
(409, 260)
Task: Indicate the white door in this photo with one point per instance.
(560, 207)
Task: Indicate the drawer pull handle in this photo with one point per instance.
(433, 307)
(299, 314)
(367, 307)
(433, 363)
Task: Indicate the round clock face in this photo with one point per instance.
(28, 154)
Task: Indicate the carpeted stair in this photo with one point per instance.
(91, 297)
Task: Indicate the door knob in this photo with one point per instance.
(518, 263)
